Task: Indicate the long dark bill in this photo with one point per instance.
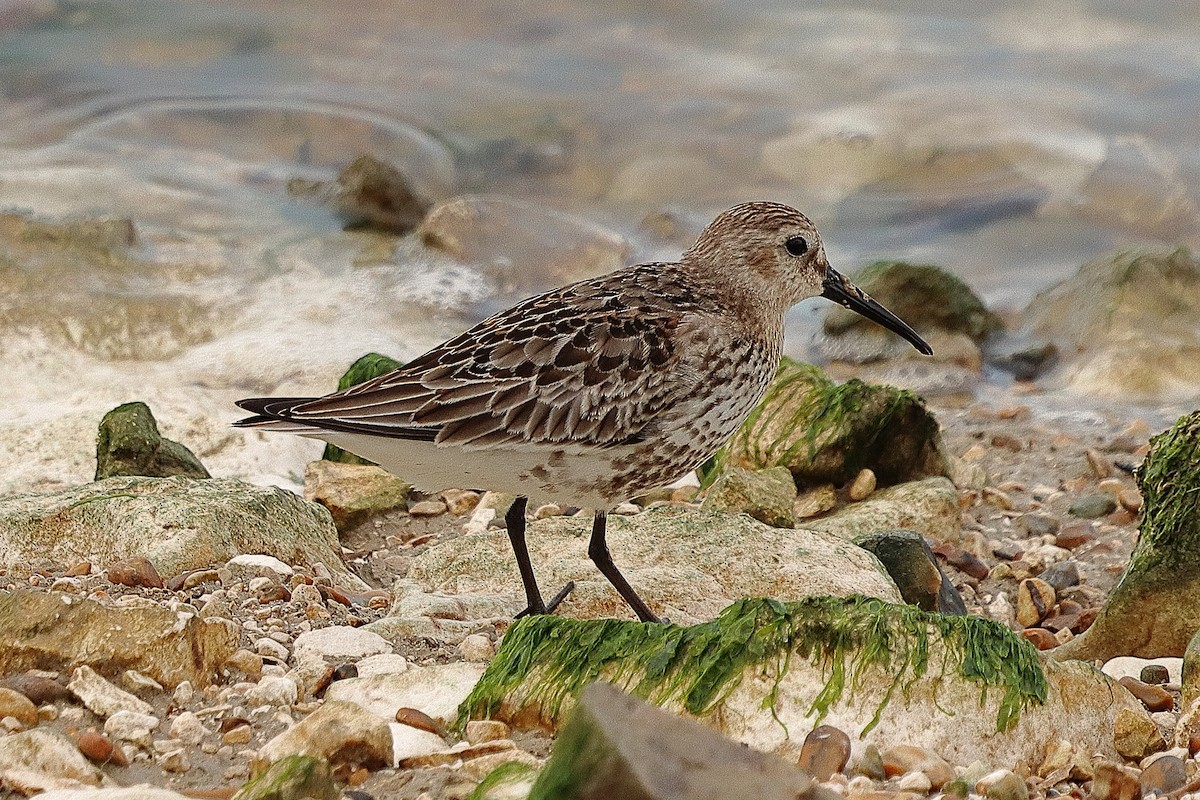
(839, 289)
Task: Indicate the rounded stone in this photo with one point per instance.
(825, 752)
(16, 705)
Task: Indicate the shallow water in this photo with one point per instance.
(1009, 143)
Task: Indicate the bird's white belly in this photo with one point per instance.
(569, 475)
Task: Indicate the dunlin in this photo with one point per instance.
(597, 391)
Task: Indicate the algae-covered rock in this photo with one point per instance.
(128, 443)
(907, 558)
(59, 632)
(766, 673)
(292, 778)
(370, 192)
(372, 365)
(616, 746)
(925, 296)
(768, 495)
(1125, 326)
(1155, 608)
(827, 432)
(687, 564)
(178, 523)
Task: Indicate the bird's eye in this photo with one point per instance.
(797, 245)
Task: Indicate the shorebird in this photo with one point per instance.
(596, 391)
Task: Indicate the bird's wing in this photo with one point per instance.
(590, 363)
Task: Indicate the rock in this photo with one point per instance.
(38, 688)
(618, 746)
(435, 690)
(1115, 782)
(826, 432)
(383, 664)
(48, 755)
(927, 297)
(1037, 525)
(825, 751)
(486, 730)
(1035, 601)
(520, 248)
(1026, 361)
(101, 697)
(341, 733)
(686, 563)
(292, 778)
(928, 507)
(1154, 674)
(372, 365)
(1061, 576)
(131, 726)
(61, 632)
(353, 493)
(135, 571)
(420, 720)
(129, 443)
(18, 706)
(178, 523)
(273, 690)
(1117, 337)
(815, 502)
(336, 644)
(374, 194)
(1132, 667)
(140, 791)
(188, 729)
(767, 495)
(1092, 506)
(1154, 698)
(912, 565)
(1163, 776)
(770, 702)
(1135, 735)
(908, 759)
(862, 486)
(409, 742)
(1003, 784)
(477, 647)
(97, 747)
(1153, 610)
(249, 566)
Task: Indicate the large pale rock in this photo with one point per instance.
(825, 432)
(766, 673)
(343, 734)
(47, 754)
(61, 632)
(142, 791)
(338, 644)
(767, 495)
(103, 698)
(178, 523)
(435, 690)
(686, 564)
(353, 492)
(1127, 326)
(1155, 608)
(929, 507)
(618, 746)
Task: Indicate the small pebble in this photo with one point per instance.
(415, 718)
(1035, 600)
(1102, 466)
(1164, 775)
(269, 648)
(477, 647)
(1041, 638)
(1076, 535)
(1003, 784)
(484, 730)
(1092, 506)
(1154, 698)
(825, 752)
(136, 571)
(18, 706)
(863, 485)
(427, 508)
(1154, 674)
(237, 735)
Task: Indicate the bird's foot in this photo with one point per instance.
(548, 608)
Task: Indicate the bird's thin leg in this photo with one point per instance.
(598, 552)
(514, 521)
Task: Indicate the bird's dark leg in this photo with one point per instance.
(598, 552)
(514, 521)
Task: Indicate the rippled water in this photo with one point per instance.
(1009, 142)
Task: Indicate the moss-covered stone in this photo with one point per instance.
(923, 295)
(768, 495)
(616, 746)
(292, 778)
(827, 432)
(128, 443)
(1155, 609)
(545, 661)
(372, 365)
(512, 780)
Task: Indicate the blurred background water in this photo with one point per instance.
(1008, 142)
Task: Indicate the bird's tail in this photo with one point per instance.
(271, 413)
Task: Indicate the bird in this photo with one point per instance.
(596, 391)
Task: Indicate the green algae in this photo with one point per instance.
(551, 659)
(372, 365)
(1169, 480)
(506, 773)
